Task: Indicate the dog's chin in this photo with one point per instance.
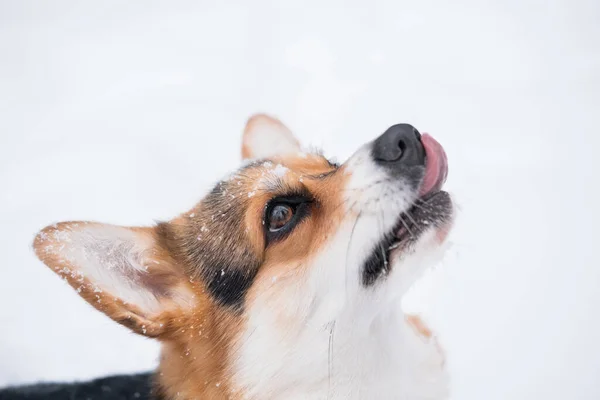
(417, 241)
(432, 212)
(424, 249)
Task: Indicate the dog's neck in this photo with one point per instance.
(392, 356)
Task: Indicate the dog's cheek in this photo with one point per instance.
(228, 285)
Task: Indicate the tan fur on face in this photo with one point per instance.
(286, 262)
(326, 186)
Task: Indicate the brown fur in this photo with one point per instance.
(220, 238)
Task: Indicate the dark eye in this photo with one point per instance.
(283, 214)
(279, 216)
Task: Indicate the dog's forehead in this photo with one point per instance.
(300, 164)
(275, 175)
(309, 163)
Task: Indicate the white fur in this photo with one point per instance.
(339, 339)
(267, 137)
(110, 257)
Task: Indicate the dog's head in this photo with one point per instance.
(288, 243)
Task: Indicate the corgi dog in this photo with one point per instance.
(285, 281)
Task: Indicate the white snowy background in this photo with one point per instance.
(127, 112)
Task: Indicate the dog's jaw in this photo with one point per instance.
(349, 344)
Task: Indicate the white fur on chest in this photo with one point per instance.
(385, 360)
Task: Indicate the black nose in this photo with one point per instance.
(399, 146)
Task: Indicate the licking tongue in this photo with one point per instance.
(436, 165)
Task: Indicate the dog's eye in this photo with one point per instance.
(283, 214)
(280, 216)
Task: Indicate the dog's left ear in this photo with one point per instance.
(124, 272)
(265, 136)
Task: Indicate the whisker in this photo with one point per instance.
(330, 357)
(350, 209)
(344, 201)
(407, 213)
(423, 201)
(406, 226)
(348, 250)
(369, 186)
(382, 233)
(415, 204)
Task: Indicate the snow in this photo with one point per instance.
(280, 170)
(127, 113)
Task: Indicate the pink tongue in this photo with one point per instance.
(436, 168)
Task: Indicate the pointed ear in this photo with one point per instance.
(123, 272)
(265, 136)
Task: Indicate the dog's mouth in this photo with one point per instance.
(433, 209)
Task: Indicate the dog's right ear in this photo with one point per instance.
(265, 136)
(124, 272)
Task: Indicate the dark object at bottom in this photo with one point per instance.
(121, 387)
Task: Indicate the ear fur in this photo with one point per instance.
(265, 136)
(121, 271)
